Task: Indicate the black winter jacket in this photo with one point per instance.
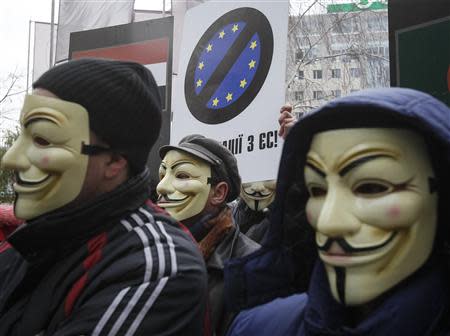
(116, 266)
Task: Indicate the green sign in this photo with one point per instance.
(357, 6)
(423, 58)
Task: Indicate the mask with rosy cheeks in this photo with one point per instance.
(46, 157)
(258, 195)
(183, 188)
(372, 208)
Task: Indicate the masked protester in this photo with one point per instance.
(369, 175)
(198, 178)
(252, 210)
(94, 256)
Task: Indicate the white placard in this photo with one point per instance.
(230, 82)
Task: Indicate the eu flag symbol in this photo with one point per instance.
(229, 65)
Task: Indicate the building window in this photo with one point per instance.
(299, 95)
(311, 53)
(373, 50)
(298, 55)
(336, 93)
(317, 74)
(382, 51)
(378, 24)
(335, 73)
(346, 58)
(297, 116)
(301, 74)
(346, 26)
(317, 94)
(355, 72)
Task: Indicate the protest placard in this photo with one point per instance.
(230, 80)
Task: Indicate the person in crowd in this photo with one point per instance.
(252, 207)
(369, 175)
(8, 222)
(251, 211)
(197, 180)
(94, 256)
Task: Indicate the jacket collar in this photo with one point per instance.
(234, 245)
(60, 229)
(402, 309)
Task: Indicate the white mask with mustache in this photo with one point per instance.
(258, 195)
(183, 188)
(372, 207)
(47, 156)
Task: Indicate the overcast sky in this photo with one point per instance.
(15, 16)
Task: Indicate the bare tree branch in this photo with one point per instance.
(17, 93)
(301, 17)
(10, 87)
(312, 45)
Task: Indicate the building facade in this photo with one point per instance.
(336, 53)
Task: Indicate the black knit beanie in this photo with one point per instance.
(122, 100)
(222, 161)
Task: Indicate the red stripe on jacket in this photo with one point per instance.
(95, 249)
(4, 246)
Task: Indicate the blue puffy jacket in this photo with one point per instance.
(419, 305)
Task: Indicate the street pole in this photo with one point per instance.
(29, 51)
(52, 32)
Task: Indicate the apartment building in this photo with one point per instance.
(335, 53)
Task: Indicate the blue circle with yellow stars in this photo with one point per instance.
(229, 65)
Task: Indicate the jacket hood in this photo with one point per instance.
(384, 108)
(290, 236)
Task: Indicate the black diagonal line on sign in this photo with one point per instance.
(227, 62)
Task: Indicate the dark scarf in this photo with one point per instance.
(414, 307)
(211, 230)
(58, 231)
